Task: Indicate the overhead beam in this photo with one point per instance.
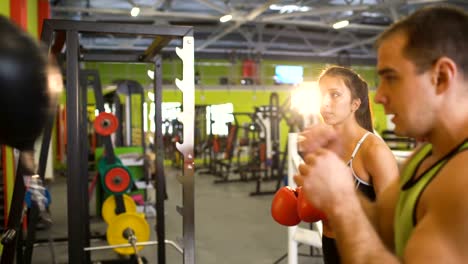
(317, 24)
(317, 12)
(148, 12)
(250, 16)
(302, 54)
(348, 46)
(213, 6)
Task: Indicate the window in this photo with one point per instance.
(220, 115)
(285, 74)
(169, 112)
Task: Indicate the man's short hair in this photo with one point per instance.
(433, 32)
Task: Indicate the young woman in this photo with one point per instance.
(345, 107)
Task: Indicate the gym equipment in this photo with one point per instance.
(117, 180)
(127, 135)
(223, 165)
(115, 177)
(284, 207)
(72, 34)
(106, 123)
(109, 207)
(149, 243)
(290, 206)
(128, 228)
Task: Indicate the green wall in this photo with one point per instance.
(32, 17)
(5, 8)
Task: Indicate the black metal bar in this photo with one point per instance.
(83, 138)
(120, 28)
(128, 113)
(130, 57)
(25, 167)
(74, 176)
(47, 34)
(46, 137)
(33, 219)
(160, 181)
(119, 141)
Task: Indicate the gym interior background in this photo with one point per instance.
(253, 72)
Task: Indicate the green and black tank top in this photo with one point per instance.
(411, 190)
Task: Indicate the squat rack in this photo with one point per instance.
(56, 34)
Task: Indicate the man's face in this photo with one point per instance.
(403, 92)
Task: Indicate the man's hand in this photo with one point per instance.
(319, 136)
(327, 182)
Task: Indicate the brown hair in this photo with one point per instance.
(433, 32)
(359, 90)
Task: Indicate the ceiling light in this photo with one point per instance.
(135, 11)
(340, 24)
(275, 7)
(225, 18)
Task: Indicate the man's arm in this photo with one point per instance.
(358, 241)
(440, 235)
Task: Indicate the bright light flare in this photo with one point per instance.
(306, 98)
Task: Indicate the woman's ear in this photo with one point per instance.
(355, 104)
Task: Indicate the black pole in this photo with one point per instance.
(74, 170)
(12, 233)
(83, 138)
(160, 181)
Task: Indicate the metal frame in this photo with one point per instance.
(55, 34)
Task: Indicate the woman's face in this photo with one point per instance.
(337, 104)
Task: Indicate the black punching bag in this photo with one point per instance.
(24, 97)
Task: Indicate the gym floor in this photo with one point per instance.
(231, 227)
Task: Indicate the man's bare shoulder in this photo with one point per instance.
(449, 188)
(442, 215)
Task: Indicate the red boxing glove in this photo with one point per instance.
(284, 207)
(306, 211)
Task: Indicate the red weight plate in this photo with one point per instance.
(117, 180)
(106, 124)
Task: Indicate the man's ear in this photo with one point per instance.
(443, 74)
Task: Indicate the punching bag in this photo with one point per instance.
(25, 100)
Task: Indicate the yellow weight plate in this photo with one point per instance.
(109, 205)
(116, 229)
